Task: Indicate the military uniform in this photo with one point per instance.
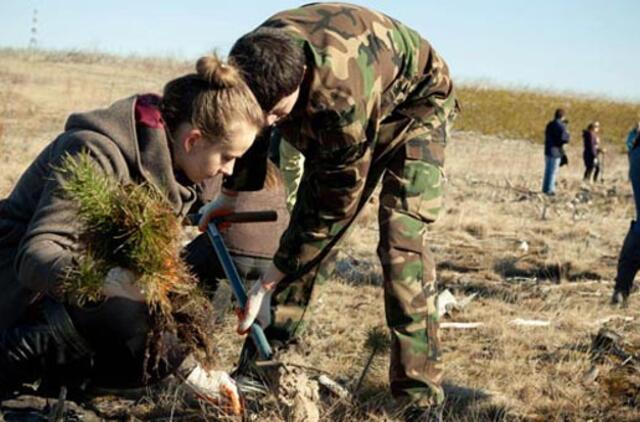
(375, 105)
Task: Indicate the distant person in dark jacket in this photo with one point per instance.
(629, 259)
(555, 137)
(591, 151)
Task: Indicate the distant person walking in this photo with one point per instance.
(591, 151)
(629, 260)
(555, 137)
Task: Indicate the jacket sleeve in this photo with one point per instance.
(564, 135)
(51, 241)
(328, 197)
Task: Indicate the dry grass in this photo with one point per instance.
(500, 371)
(522, 114)
(39, 90)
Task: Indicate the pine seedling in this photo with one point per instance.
(133, 226)
(83, 282)
(377, 339)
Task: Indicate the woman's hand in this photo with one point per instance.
(223, 204)
(121, 282)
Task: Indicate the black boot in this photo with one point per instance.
(24, 353)
(619, 298)
(35, 350)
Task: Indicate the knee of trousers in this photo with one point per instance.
(410, 287)
(64, 331)
(402, 249)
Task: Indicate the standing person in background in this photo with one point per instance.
(631, 137)
(591, 151)
(555, 137)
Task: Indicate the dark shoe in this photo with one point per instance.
(620, 299)
(415, 413)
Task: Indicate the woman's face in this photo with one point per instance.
(201, 158)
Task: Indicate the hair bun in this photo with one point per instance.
(217, 73)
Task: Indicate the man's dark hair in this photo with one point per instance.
(560, 113)
(272, 64)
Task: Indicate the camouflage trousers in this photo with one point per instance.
(411, 198)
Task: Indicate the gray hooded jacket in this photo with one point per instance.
(39, 229)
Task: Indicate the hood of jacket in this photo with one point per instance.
(145, 149)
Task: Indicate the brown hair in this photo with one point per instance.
(210, 99)
(272, 63)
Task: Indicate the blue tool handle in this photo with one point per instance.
(257, 335)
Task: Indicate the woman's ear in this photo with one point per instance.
(191, 138)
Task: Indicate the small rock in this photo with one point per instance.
(523, 246)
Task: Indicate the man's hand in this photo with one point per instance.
(121, 282)
(259, 300)
(223, 204)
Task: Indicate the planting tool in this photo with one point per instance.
(237, 286)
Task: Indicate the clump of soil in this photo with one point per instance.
(294, 389)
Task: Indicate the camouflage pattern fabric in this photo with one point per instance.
(411, 197)
(376, 106)
(291, 163)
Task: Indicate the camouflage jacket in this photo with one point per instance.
(363, 67)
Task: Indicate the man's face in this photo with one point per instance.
(200, 158)
(282, 108)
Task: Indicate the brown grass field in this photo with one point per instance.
(499, 371)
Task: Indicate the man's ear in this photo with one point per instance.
(191, 139)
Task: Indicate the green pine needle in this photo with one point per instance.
(133, 226)
(378, 339)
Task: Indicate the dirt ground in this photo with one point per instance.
(526, 256)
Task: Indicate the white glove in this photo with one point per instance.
(258, 307)
(223, 204)
(216, 387)
(595, 161)
(258, 304)
(121, 282)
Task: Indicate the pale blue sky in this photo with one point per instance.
(581, 46)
